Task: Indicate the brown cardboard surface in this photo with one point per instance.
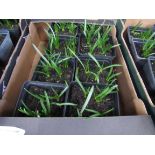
(28, 59)
(145, 23)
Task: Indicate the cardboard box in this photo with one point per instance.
(28, 60)
(137, 123)
(136, 77)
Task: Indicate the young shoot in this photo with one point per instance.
(51, 62)
(45, 105)
(102, 95)
(90, 31)
(149, 46)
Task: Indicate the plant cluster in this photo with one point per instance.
(54, 65)
(97, 39)
(8, 23)
(46, 103)
(138, 32)
(65, 28)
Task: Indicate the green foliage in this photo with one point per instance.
(65, 28)
(149, 46)
(45, 104)
(8, 23)
(51, 62)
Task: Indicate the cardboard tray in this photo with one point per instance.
(136, 78)
(28, 60)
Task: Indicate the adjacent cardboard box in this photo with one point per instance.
(28, 60)
(137, 79)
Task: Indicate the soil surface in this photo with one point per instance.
(34, 103)
(83, 77)
(67, 74)
(78, 98)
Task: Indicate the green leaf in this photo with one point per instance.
(47, 102)
(87, 100)
(94, 59)
(49, 26)
(41, 55)
(77, 57)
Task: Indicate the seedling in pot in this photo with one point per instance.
(65, 28)
(145, 49)
(101, 46)
(53, 68)
(97, 102)
(8, 23)
(149, 47)
(89, 32)
(95, 71)
(142, 33)
(41, 102)
(59, 44)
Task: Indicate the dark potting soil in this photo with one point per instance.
(34, 103)
(78, 98)
(67, 74)
(83, 77)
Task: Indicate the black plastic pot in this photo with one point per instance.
(135, 51)
(64, 38)
(76, 33)
(140, 29)
(12, 62)
(6, 46)
(15, 34)
(72, 62)
(103, 61)
(110, 55)
(114, 96)
(149, 73)
(44, 85)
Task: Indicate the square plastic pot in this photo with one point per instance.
(71, 63)
(45, 85)
(110, 55)
(114, 96)
(150, 73)
(140, 61)
(139, 29)
(63, 38)
(6, 46)
(106, 61)
(67, 34)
